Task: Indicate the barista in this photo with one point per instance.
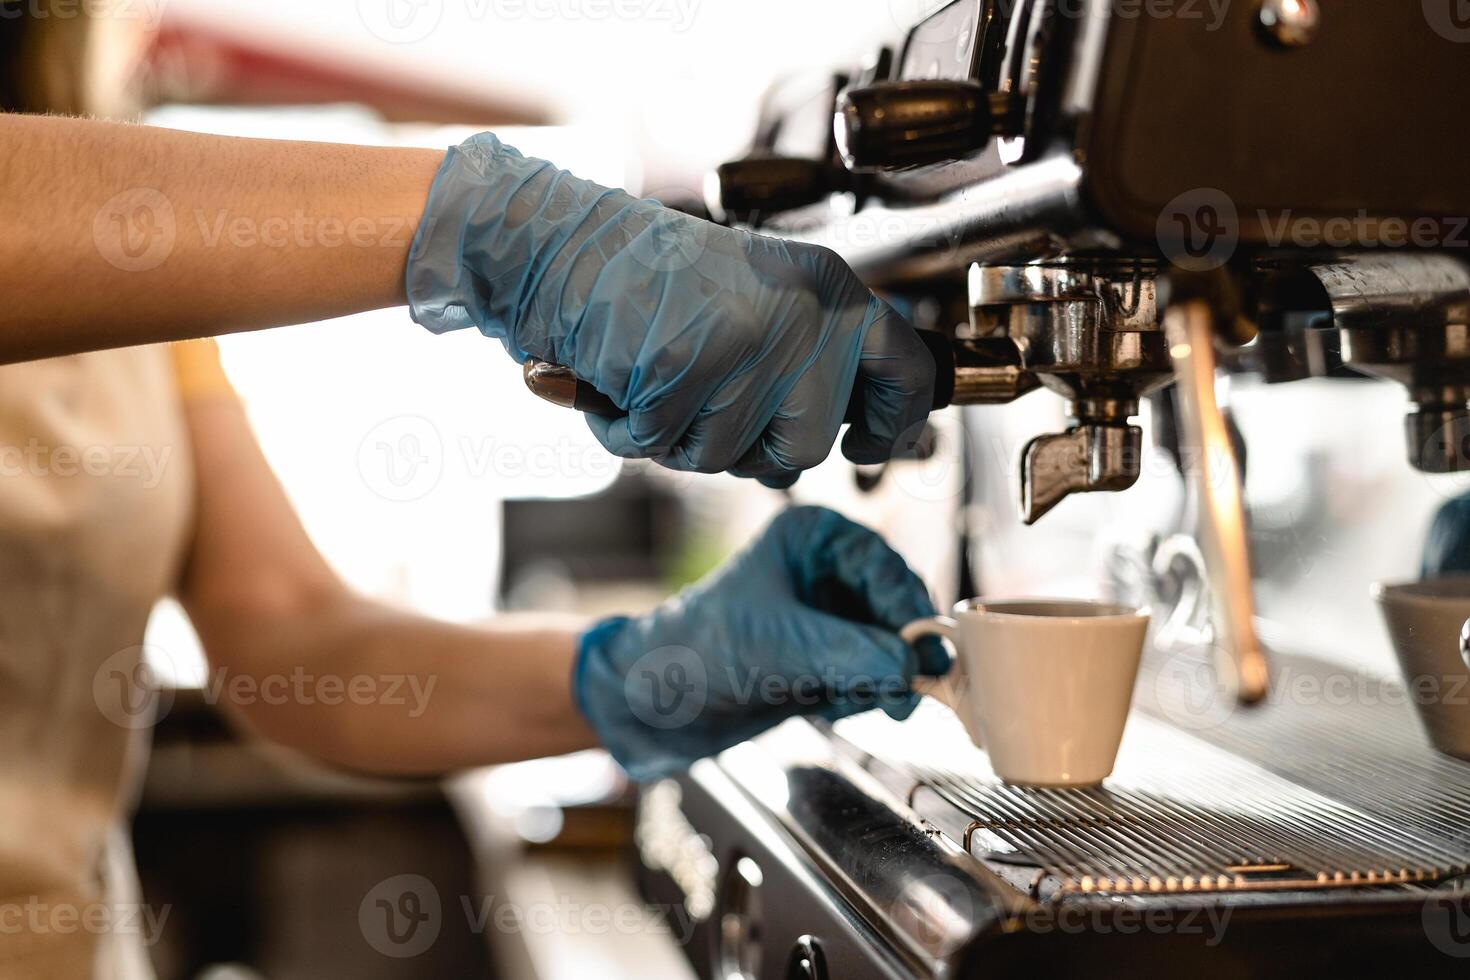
(730, 352)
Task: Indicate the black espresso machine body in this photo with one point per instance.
(1105, 117)
(1159, 213)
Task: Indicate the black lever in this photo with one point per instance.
(764, 185)
(560, 386)
(895, 125)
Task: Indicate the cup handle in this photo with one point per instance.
(938, 688)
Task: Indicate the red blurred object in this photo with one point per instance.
(199, 64)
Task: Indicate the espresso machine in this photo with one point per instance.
(1204, 273)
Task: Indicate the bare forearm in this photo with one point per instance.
(119, 234)
(307, 663)
(378, 690)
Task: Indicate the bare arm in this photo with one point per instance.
(384, 691)
(117, 235)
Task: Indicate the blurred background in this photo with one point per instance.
(429, 477)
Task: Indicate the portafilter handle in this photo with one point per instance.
(1216, 498)
(561, 386)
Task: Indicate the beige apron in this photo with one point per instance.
(96, 485)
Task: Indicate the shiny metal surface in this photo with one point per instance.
(1211, 810)
(1084, 459)
(560, 386)
(988, 371)
(1019, 213)
(915, 886)
(1088, 331)
(1347, 735)
(551, 382)
(1407, 318)
(1387, 290)
(1313, 817)
(1216, 508)
(1316, 801)
(1181, 817)
(742, 920)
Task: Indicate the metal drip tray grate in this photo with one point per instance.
(1179, 814)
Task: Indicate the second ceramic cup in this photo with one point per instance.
(1425, 620)
(1044, 685)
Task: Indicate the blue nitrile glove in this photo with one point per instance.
(1447, 549)
(729, 351)
(803, 623)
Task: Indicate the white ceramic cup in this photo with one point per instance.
(1044, 685)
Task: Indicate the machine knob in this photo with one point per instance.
(911, 124)
(765, 185)
(806, 961)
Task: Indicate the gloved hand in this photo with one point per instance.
(729, 351)
(804, 622)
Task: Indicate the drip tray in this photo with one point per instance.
(1190, 812)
